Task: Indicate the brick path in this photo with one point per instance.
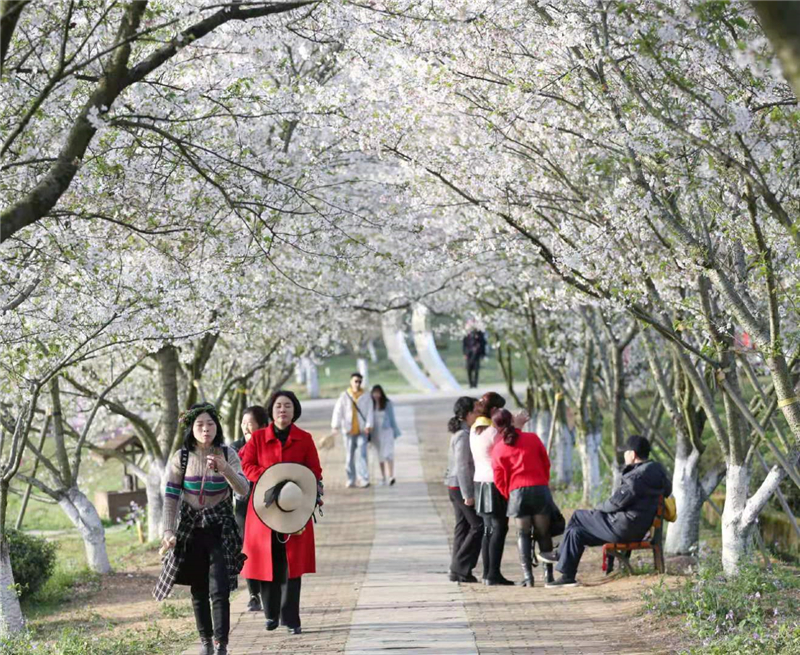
(407, 604)
(382, 584)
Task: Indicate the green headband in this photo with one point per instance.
(187, 418)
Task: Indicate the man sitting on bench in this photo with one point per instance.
(623, 518)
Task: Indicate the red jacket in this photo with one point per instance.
(525, 464)
(262, 451)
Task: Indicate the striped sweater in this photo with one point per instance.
(215, 487)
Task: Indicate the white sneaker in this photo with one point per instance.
(362, 484)
(349, 484)
(384, 482)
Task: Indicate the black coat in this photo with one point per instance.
(632, 507)
(240, 506)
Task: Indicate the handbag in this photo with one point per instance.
(670, 509)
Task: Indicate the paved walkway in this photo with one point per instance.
(382, 561)
(407, 604)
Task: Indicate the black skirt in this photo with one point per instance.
(488, 500)
(527, 501)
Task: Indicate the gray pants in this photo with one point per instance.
(355, 452)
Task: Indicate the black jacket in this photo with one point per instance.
(632, 507)
(240, 506)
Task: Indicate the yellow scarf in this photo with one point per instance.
(355, 428)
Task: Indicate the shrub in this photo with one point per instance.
(32, 560)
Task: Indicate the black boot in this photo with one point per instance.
(548, 574)
(221, 649)
(206, 646)
(525, 546)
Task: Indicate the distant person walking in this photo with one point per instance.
(459, 479)
(384, 433)
(254, 418)
(353, 417)
(474, 348)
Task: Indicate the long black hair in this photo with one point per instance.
(461, 408)
(189, 442)
(381, 404)
(504, 424)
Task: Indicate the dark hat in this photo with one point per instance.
(639, 445)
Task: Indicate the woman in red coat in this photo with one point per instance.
(278, 560)
(522, 475)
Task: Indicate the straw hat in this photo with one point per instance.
(285, 496)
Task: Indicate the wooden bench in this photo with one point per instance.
(653, 541)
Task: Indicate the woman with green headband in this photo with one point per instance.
(202, 543)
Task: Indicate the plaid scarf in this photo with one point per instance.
(190, 518)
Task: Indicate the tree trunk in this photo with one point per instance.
(300, 371)
(589, 449)
(312, 377)
(543, 418)
(85, 518)
(781, 24)
(373, 354)
(684, 534)
(11, 620)
(735, 535)
(362, 366)
(564, 443)
(154, 487)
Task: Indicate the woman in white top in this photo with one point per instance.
(384, 433)
(489, 502)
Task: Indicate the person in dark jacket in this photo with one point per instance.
(254, 418)
(624, 517)
(474, 349)
(459, 478)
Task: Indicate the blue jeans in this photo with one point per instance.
(355, 452)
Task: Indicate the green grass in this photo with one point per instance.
(152, 641)
(95, 477)
(73, 584)
(72, 577)
(757, 611)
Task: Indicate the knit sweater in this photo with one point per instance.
(481, 446)
(525, 464)
(215, 487)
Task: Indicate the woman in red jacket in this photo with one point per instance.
(522, 475)
(278, 560)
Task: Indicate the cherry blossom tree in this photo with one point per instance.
(640, 153)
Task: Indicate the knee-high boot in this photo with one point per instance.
(525, 546)
(487, 535)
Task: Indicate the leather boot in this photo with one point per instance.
(221, 649)
(548, 573)
(525, 546)
(206, 646)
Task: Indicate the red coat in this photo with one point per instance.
(525, 464)
(262, 451)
